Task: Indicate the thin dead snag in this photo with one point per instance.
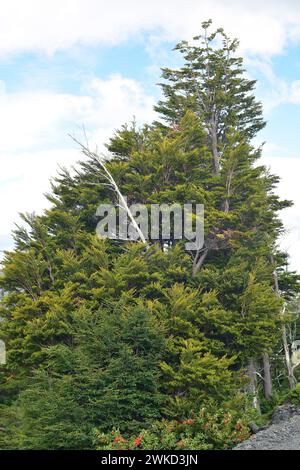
(112, 183)
(290, 369)
(287, 356)
(228, 190)
(252, 386)
(214, 145)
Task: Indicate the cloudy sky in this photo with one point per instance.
(65, 63)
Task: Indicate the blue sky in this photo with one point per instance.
(71, 62)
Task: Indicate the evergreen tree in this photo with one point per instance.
(212, 84)
(123, 334)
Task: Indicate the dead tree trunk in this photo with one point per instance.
(214, 146)
(108, 176)
(290, 371)
(252, 386)
(287, 356)
(268, 388)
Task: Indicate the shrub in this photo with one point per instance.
(295, 395)
(206, 430)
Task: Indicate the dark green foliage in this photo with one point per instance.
(107, 377)
(212, 84)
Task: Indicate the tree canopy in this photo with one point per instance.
(107, 340)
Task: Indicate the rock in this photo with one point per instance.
(254, 428)
(285, 412)
(282, 434)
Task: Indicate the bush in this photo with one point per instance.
(295, 395)
(220, 430)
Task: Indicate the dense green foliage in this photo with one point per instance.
(208, 429)
(108, 341)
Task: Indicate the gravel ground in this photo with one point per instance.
(284, 434)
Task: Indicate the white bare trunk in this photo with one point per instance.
(252, 386)
(214, 147)
(114, 186)
(287, 357)
(198, 261)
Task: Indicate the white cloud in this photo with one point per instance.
(31, 119)
(116, 101)
(271, 148)
(51, 25)
(279, 91)
(289, 170)
(295, 92)
(24, 180)
(31, 123)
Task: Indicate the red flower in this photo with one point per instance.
(188, 421)
(137, 441)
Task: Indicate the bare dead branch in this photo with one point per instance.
(108, 176)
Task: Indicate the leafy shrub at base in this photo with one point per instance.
(220, 430)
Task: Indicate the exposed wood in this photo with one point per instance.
(199, 260)
(290, 370)
(214, 146)
(252, 386)
(122, 201)
(287, 356)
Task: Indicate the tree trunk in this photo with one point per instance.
(228, 189)
(198, 262)
(287, 357)
(214, 148)
(252, 386)
(267, 377)
(288, 362)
